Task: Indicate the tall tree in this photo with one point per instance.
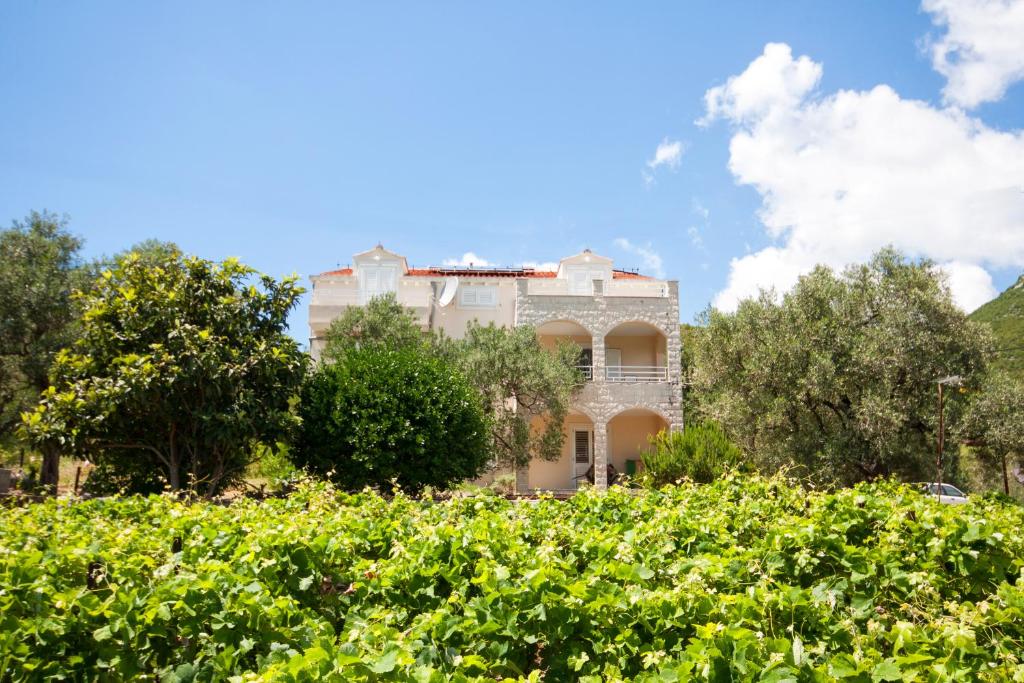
(840, 375)
(526, 388)
(180, 362)
(994, 421)
(39, 269)
(382, 322)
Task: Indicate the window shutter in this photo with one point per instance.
(579, 282)
(485, 296)
(582, 446)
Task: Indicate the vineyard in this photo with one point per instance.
(744, 579)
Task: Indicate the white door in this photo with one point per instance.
(583, 454)
(613, 362)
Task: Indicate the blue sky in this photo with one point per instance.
(292, 135)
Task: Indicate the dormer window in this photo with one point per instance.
(581, 278)
(375, 280)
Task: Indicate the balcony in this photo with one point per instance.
(636, 373)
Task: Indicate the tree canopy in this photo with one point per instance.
(382, 322)
(994, 422)
(39, 269)
(182, 363)
(840, 375)
(526, 388)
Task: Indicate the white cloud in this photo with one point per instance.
(971, 285)
(651, 259)
(773, 82)
(843, 175)
(982, 51)
(669, 153)
(468, 259)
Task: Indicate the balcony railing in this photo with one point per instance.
(636, 373)
(587, 371)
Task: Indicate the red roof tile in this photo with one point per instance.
(492, 272)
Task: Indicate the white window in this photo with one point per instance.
(581, 279)
(377, 280)
(478, 296)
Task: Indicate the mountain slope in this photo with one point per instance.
(1005, 314)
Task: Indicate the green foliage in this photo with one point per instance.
(378, 415)
(740, 580)
(39, 268)
(120, 472)
(526, 388)
(1005, 315)
(182, 364)
(381, 322)
(994, 421)
(700, 453)
(840, 377)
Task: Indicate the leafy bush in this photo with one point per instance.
(379, 415)
(700, 453)
(121, 473)
(743, 579)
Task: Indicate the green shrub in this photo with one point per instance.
(124, 473)
(381, 415)
(700, 453)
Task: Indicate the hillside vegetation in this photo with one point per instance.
(1005, 314)
(743, 579)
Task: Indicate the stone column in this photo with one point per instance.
(601, 455)
(597, 351)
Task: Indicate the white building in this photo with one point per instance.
(627, 324)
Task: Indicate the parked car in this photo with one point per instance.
(950, 494)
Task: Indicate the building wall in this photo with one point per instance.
(558, 474)
(638, 350)
(627, 437)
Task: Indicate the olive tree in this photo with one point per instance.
(39, 269)
(382, 322)
(181, 363)
(839, 376)
(994, 422)
(527, 389)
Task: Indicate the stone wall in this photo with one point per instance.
(601, 400)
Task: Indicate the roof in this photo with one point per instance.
(434, 271)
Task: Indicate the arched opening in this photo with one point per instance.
(555, 331)
(570, 470)
(628, 434)
(635, 352)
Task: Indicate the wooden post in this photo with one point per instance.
(1006, 477)
(78, 474)
(938, 457)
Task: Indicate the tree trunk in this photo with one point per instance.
(174, 475)
(1006, 477)
(49, 473)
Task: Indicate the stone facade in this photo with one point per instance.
(601, 400)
